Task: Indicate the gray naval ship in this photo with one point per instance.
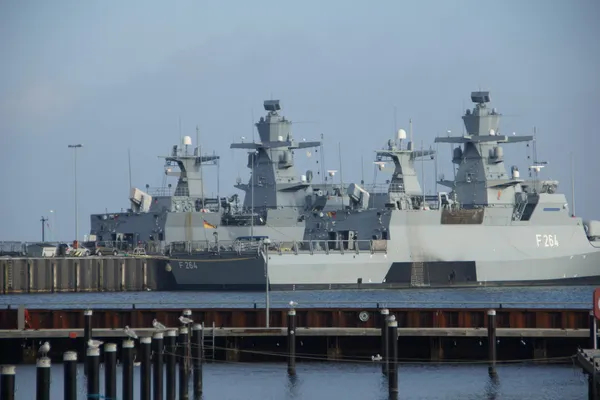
(219, 240)
(491, 228)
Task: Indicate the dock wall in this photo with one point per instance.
(415, 318)
(538, 335)
(83, 274)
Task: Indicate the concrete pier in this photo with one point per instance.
(83, 274)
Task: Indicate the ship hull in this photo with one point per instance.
(421, 253)
(227, 271)
(374, 271)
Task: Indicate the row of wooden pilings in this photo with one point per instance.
(162, 348)
(170, 344)
(172, 340)
(389, 349)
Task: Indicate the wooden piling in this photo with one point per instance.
(42, 390)
(157, 361)
(171, 360)
(110, 371)
(384, 342)
(197, 357)
(87, 335)
(93, 378)
(127, 361)
(70, 375)
(7, 382)
(291, 342)
(393, 357)
(183, 343)
(145, 351)
(492, 343)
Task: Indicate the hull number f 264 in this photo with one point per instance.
(546, 240)
(187, 265)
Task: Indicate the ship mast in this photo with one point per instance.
(252, 182)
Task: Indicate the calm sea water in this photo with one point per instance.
(357, 381)
(537, 297)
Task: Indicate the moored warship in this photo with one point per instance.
(491, 228)
(220, 239)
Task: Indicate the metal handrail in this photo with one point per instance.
(278, 247)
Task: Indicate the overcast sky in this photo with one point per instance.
(118, 75)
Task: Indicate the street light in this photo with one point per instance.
(267, 242)
(75, 147)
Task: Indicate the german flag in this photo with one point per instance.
(208, 226)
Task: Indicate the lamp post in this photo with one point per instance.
(267, 242)
(75, 147)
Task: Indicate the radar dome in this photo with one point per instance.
(401, 134)
(187, 140)
(492, 132)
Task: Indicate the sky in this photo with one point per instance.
(125, 76)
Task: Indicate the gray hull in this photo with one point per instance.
(224, 271)
(492, 255)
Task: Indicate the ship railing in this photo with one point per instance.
(214, 247)
(329, 246)
(376, 188)
(279, 247)
(160, 191)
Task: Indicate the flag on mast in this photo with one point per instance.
(208, 225)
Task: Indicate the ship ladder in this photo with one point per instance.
(417, 275)
(519, 210)
(208, 341)
(9, 275)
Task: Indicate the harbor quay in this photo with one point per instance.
(243, 334)
(84, 274)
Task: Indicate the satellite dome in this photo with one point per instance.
(187, 141)
(401, 134)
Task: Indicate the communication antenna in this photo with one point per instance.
(129, 160)
(323, 176)
(572, 185)
(199, 151)
(252, 182)
(218, 180)
(423, 171)
(341, 175)
(437, 145)
(180, 137)
(362, 170)
(395, 124)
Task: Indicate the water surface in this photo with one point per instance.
(530, 297)
(233, 381)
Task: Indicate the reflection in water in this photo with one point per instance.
(292, 386)
(492, 388)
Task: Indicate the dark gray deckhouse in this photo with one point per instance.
(491, 227)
